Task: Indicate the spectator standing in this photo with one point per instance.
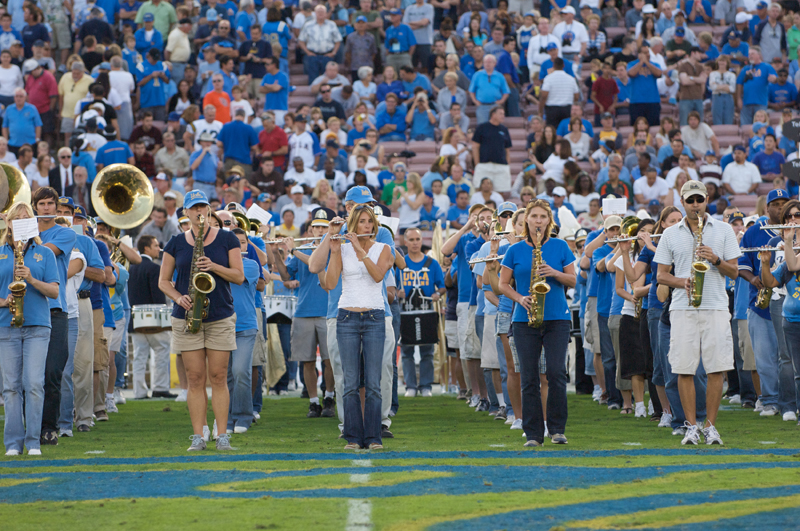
(488, 89)
(151, 74)
(604, 94)
(490, 150)
(55, 16)
(740, 176)
(419, 17)
(275, 84)
(320, 41)
(10, 78)
(698, 136)
(770, 35)
(304, 144)
(400, 42)
(163, 13)
(170, 157)
(179, 49)
(644, 98)
(42, 92)
(752, 86)
(693, 84)
(116, 152)
(537, 48)
(125, 85)
(573, 34)
(559, 92)
(273, 143)
(505, 66)
(148, 37)
(360, 49)
(219, 99)
(21, 123)
(722, 83)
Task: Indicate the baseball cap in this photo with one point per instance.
(739, 147)
(300, 118)
(361, 18)
(733, 216)
(99, 221)
(195, 197)
(80, 212)
(38, 42)
(680, 31)
(710, 153)
(29, 65)
(429, 193)
(735, 35)
(105, 65)
(654, 202)
(396, 11)
(148, 17)
(530, 14)
(506, 206)
(693, 188)
(761, 5)
(774, 195)
(743, 17)
(211, 15)
(758, 126)
(551, 46)
(66, 201)
(398, 165)
(559, 191)
(713, 180)
(359, 194)
(173, 117)
(677, 12)
(648, 9)
(297, 189)
(169, 194)
(611, 222)
(606, 115)
(264, 196)
(183, 219)
(332, 144)
(161, 176)
(476, 208)
(568, 9)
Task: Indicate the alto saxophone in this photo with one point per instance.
(539, 287)
(17, 289)
(699, 268)
(200, 285)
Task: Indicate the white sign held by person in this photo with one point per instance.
(256, 212)
(25, 229)
(613, 206)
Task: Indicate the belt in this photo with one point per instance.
(85, 294)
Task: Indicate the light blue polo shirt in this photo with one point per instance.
(403, 38)
(244, 297)
(643, 86)
(64, 240)
(488, 88)
(22, 124)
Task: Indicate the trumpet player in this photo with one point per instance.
(221, 257)
(557, 269)
(24, 350)
(704, 331)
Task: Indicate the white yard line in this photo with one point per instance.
(359, 515)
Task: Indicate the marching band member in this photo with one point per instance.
(614, 319)
(24, 350)
(556, 268)
(705, 331)
(361, 325)
(222, 258)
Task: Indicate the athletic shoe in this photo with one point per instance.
(501, 413)
(650, 409)
(224, 442)
(427, 393)
(453, 389)
(790, 416)
(328, 407)
(532, 444)
(769, 411)
(666, 420)
(692, 434)
(748, 404)
(375, 446)
(735, 399)
(680, 430)
(510, 419)
(111, 407)
(34, 451)
(229, 431)
(711, 435)
(603, 399)
(352, 446)
(198, 443)
(214, 431)
(163, 394)
(462, 395)
(517, 424)
(483, 405)
(558, 438)
(759, 406)
(392, 413)
(385, 433)
(292, 386)
(102, 416)
(83, 428)
(64, 433)
(12, 453)
(314, 411)
(182, 394)
(118, 398)
(206, 434)
(256, 415)
(597, 393)
(411, 393)
(473, 401)
(546, 431)
(614, 406)
(240, 429)
(273, 392)
(641, 411)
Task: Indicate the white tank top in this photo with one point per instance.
(359, 289)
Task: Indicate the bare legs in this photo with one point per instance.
(197, 398)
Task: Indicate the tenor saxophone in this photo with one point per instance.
(699, 268)
(200, 285)
(539, 287)
(17, 289)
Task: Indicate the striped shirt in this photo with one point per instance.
(560, 88)
(676, 247)
(320, 38)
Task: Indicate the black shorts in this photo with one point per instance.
(631, 355)
(48, 122)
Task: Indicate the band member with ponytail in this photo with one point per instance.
(221, 257)
(557, 269)
(23, 350)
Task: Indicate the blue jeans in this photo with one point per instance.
(765, 348)
(425, 367)
(588, 355)
(512, 103)
(121, 359)
(722, 109)
(747, 113)
(67, 393)
(240, 380)
(671, 384)
(653, 318)
(786, 396)
(553, 336)
(395, 307)
(687, 106)
(23, 355)
(285, 337)
(314, 66)
(361, 337)
(57, 356)
(482, 114)
(792, 332)
(609, 361)
(746, 389)
(393, 137)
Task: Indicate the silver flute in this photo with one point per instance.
(343, 236)
(308, 239)
(487, 259)
(779, 227)
(765, 249)
(632, 238)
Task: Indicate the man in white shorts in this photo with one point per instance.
(705, 331)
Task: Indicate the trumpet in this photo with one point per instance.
(342, 236)
(779, 227)
(632, 238)
(486, 259)
(765, 249)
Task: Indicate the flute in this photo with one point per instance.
(765, 249)
(632, 238)
(308, 239)
(487, 259)
(779, 227)
(342, 236)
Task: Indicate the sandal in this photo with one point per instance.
(352, 446)
(626, 411)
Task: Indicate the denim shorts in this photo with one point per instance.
(503, 322)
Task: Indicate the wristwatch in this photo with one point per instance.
(718, 262)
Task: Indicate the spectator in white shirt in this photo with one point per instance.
(683, 166)
(740, 176)
(698, 136)
(650, 187)
(306, 177)
(573, 35)
(537, 48)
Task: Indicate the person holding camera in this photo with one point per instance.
(421, 118)
(752, 86)
(574, 37)
(400, 41)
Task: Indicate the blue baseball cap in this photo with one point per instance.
(361, 18)
(264, 196)
(733, 216)
(79, 212)
(195, 197)
(173, 117)
(100, 221)
(776, 194)
(551, 46)
(739, 147)
(429, 193)
(359, 194)
(680, 31)
(711, 153)
(211, 15)
(148, 17)
(654, 202)
(506, 206)
(66, 201)
(530, 14)
(761, 5)
(529, 168)
(396, 11)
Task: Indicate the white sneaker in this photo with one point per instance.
(206, 434)
(711, 435)
(517, 424)
(473, 401)
(34, 451)
(510, 419)
(118, 398)
(692, 434)
(790, 416)
(239, 429)
(597, 393)
(769, 411)
(650, 409)
(111, 407)
(214, 432)
(229, 431)
(292, 386)
(256, 415)
(666, 420)
(64, 433)
(182, 395)
(759, 406)
(12, 453)
(426, 393)
(735, 399)
(411, 393)
(680, 430)
(546, 432)
(641, 412)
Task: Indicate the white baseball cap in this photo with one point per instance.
(743, 17)
(560, 191)
(297, 189)
(648, 8)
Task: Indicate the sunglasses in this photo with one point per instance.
(324, 91)
(699, 199)
(64, 156)
(505, 215)
(795, 216)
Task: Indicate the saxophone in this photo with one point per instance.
(17, 288)
(539, 287)
(200, 285)
(763, 298)
(699, 268)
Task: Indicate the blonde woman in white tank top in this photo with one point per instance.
(360, 327)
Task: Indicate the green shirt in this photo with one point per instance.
(388, 192)
(164, 13)
(371, 16)
(792, 42)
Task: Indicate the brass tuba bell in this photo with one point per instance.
(14, 188)
(122, 196)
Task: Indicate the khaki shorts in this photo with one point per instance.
(468, 344)
(62, 39)
(216, 335)
(451, 334)
(307, 333)
(260, 348)
(100, 343)
(746, 347)
(114, 335)
(592, 328)
(489, 349)
(702, 333)
(500, 175)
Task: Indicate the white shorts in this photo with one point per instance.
(114, 335)
(500, 174)
(489, 347)
(468, 343)
(700, 333)
(451, 334)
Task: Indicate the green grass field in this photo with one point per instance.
(447, 468)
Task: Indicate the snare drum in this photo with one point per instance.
(165, 315)
(148, 317)
(279, 309)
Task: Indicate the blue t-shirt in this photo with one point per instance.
(586, 127)
(705, 7)
(99, 291)
(769, 163)
(152, 92)
(86, 246)
(755, 82)
(742, 50)
(278, 32)
(64, 240)
(421, 124)
(238, 138)
(616, 301)
(130, 8)
(353, 135)
(464, 273)
(755, 237)
(312, 300)
(603, 281)
(592, 280)
(277, 101)
(458, 214)
(643, 88)
(488, 89)
(399, 39)
(398, 119)
(791, 304)
(624, 90)
(207, 171)
(454, 188)
(114, 152)
(429, 281)
(22, 124)
(557, 254)
(786, 93)
(646, 257)
(548, 64)
(42, 263)
(116, 292)
(471, 250)
(220, 300)
(244, 297)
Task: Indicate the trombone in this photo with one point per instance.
(486, 259)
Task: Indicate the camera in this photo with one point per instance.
(566, 41)
(748, 76)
